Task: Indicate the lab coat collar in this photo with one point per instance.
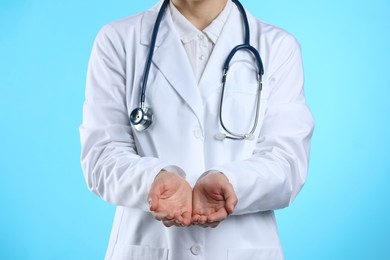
(185, 29)
(214, 29)
(189, 32)
(171, 59)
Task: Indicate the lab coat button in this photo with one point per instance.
(195, 249)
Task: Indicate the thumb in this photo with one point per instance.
(153, 201)
(231, 199)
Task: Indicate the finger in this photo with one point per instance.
(209, 225)
(160, 216)
(170, 216)
(202, 219)
(186, 218)
(168, 223)
(181, 224)
(213, 224)
(178, 218)
(177, 223)
(218, 216)
(174, 222)
(183, 219)
(199, 219)
(195, 219)
(202, 225)
(231, 199)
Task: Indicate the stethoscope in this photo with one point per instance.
(142, 117)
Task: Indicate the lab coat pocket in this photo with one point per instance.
(239, 111)
(133, 252)
(255, 254)
(240, 99)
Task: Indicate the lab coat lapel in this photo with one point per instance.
(171, 60)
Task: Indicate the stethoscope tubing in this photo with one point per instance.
(151, 52)
(236, 136)
(141, 117)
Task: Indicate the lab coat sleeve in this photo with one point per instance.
(275, 173)
(112, 168)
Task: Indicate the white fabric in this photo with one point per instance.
(198, 44)
(120, 163)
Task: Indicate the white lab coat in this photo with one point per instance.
(120, 163)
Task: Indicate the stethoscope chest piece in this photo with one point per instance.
(141, 118)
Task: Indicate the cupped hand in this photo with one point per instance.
(213, 199)
(170, 199)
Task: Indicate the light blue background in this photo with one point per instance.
(46, 211)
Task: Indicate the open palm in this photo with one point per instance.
(213, 199)
(170, 199)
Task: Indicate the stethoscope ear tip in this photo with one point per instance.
(250, 137)
(220, 136)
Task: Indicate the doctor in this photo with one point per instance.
(185, 187)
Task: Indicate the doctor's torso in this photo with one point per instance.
(183, 134)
